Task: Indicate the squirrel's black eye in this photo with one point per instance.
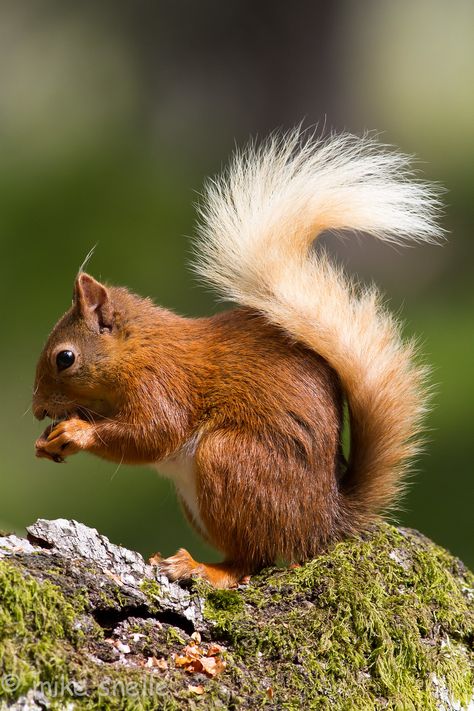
(65, 359)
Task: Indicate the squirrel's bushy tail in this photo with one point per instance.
(258, 222)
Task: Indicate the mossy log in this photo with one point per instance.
(381, 622)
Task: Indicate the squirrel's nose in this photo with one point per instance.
(39, 412)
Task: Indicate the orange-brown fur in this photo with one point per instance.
(249, 402)
(267, 413)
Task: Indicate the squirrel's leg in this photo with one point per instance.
(182, 566)
(117, 441)
(243, 506)
(261, 498)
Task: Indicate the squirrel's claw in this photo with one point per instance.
(63, 439)
(41, 453)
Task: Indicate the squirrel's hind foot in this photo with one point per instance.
(182, 566)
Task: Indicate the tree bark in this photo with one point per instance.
(381, 622)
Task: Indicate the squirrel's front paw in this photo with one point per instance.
(65, 438)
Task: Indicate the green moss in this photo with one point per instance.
(224, 607)
(151, 588)
(173, 637)
(35, 622)
(372, 619)
(40, 644)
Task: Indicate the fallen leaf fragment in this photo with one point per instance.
(214, 650)
(195, 659)
(199, 689)
(155, 663)
(212, 665)
(182, 661)
(193, 651)
(209, 665)
(220, 666)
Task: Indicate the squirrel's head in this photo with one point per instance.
(77, 372)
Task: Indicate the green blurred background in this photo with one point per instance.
(112, 114)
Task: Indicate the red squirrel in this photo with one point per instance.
(244, 410)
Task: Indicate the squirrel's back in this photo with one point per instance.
(262, 380)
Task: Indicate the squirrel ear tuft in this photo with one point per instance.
(92, 300)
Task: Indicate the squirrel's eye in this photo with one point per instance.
(65, 359)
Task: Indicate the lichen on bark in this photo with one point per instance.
(385, 621)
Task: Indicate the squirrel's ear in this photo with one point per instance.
(92, 300)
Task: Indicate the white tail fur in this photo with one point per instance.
(258, 223)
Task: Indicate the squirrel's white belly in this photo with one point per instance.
(181, 469)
